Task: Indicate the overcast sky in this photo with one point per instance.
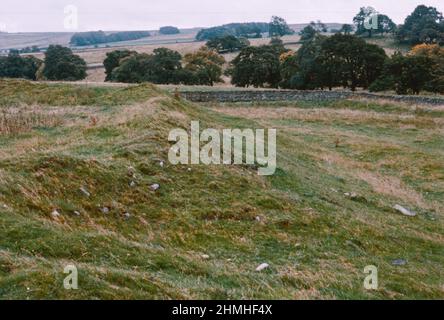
(48, 15)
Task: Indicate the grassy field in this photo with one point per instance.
(207, 228)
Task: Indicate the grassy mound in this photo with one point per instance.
(93, 153)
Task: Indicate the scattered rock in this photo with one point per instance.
(77, 213)
(105, 210)
(126, 215)
(399, 262)
(205, 257)
(155, 187)
(404, 211)
(351, 195)
(131, 171)
(161, 164)
(55, 214)
(189, 169)
(85, 192)
(263, 266)
(132, 184)
(258, 219)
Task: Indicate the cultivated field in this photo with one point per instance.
(92, 153)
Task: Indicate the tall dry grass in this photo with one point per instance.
(15, 120)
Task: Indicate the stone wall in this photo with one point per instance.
(296, 95)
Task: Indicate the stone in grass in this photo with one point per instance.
(155, 187)
(77, 213)
(161, 164)
(205, 256)
(404, 211)
(399, 262)
(105, 210)
(126, 215)
(55, 214)
(132, 184)
(351, 195)
(263, 266)
(85, 192)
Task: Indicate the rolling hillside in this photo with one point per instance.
(77, 166)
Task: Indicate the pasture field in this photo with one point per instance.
(92, 153)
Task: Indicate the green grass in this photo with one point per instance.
(316, 240)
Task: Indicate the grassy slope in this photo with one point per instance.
(316, 240)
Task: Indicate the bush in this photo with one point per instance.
(62, 64)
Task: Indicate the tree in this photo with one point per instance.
(385, 25)
(308, 33)
(227, 44)
(62, 64)
(206, 65)
(112, 61)
(319, 26)
(169, 30)
(256, 66)
(162, 67)
(365, 22)
(405, 74)
(309, 68)
(436, 56)
(16, 66)
(279, 27)
(346, 29)
(424, 25)
(356, 63)
(363, 17)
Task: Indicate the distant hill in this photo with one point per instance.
(44, 39)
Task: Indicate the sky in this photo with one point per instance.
(49, 15)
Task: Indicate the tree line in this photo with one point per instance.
(339, 61)
(276, 27)
(98, 37)
(165, 66)
(59, 64)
